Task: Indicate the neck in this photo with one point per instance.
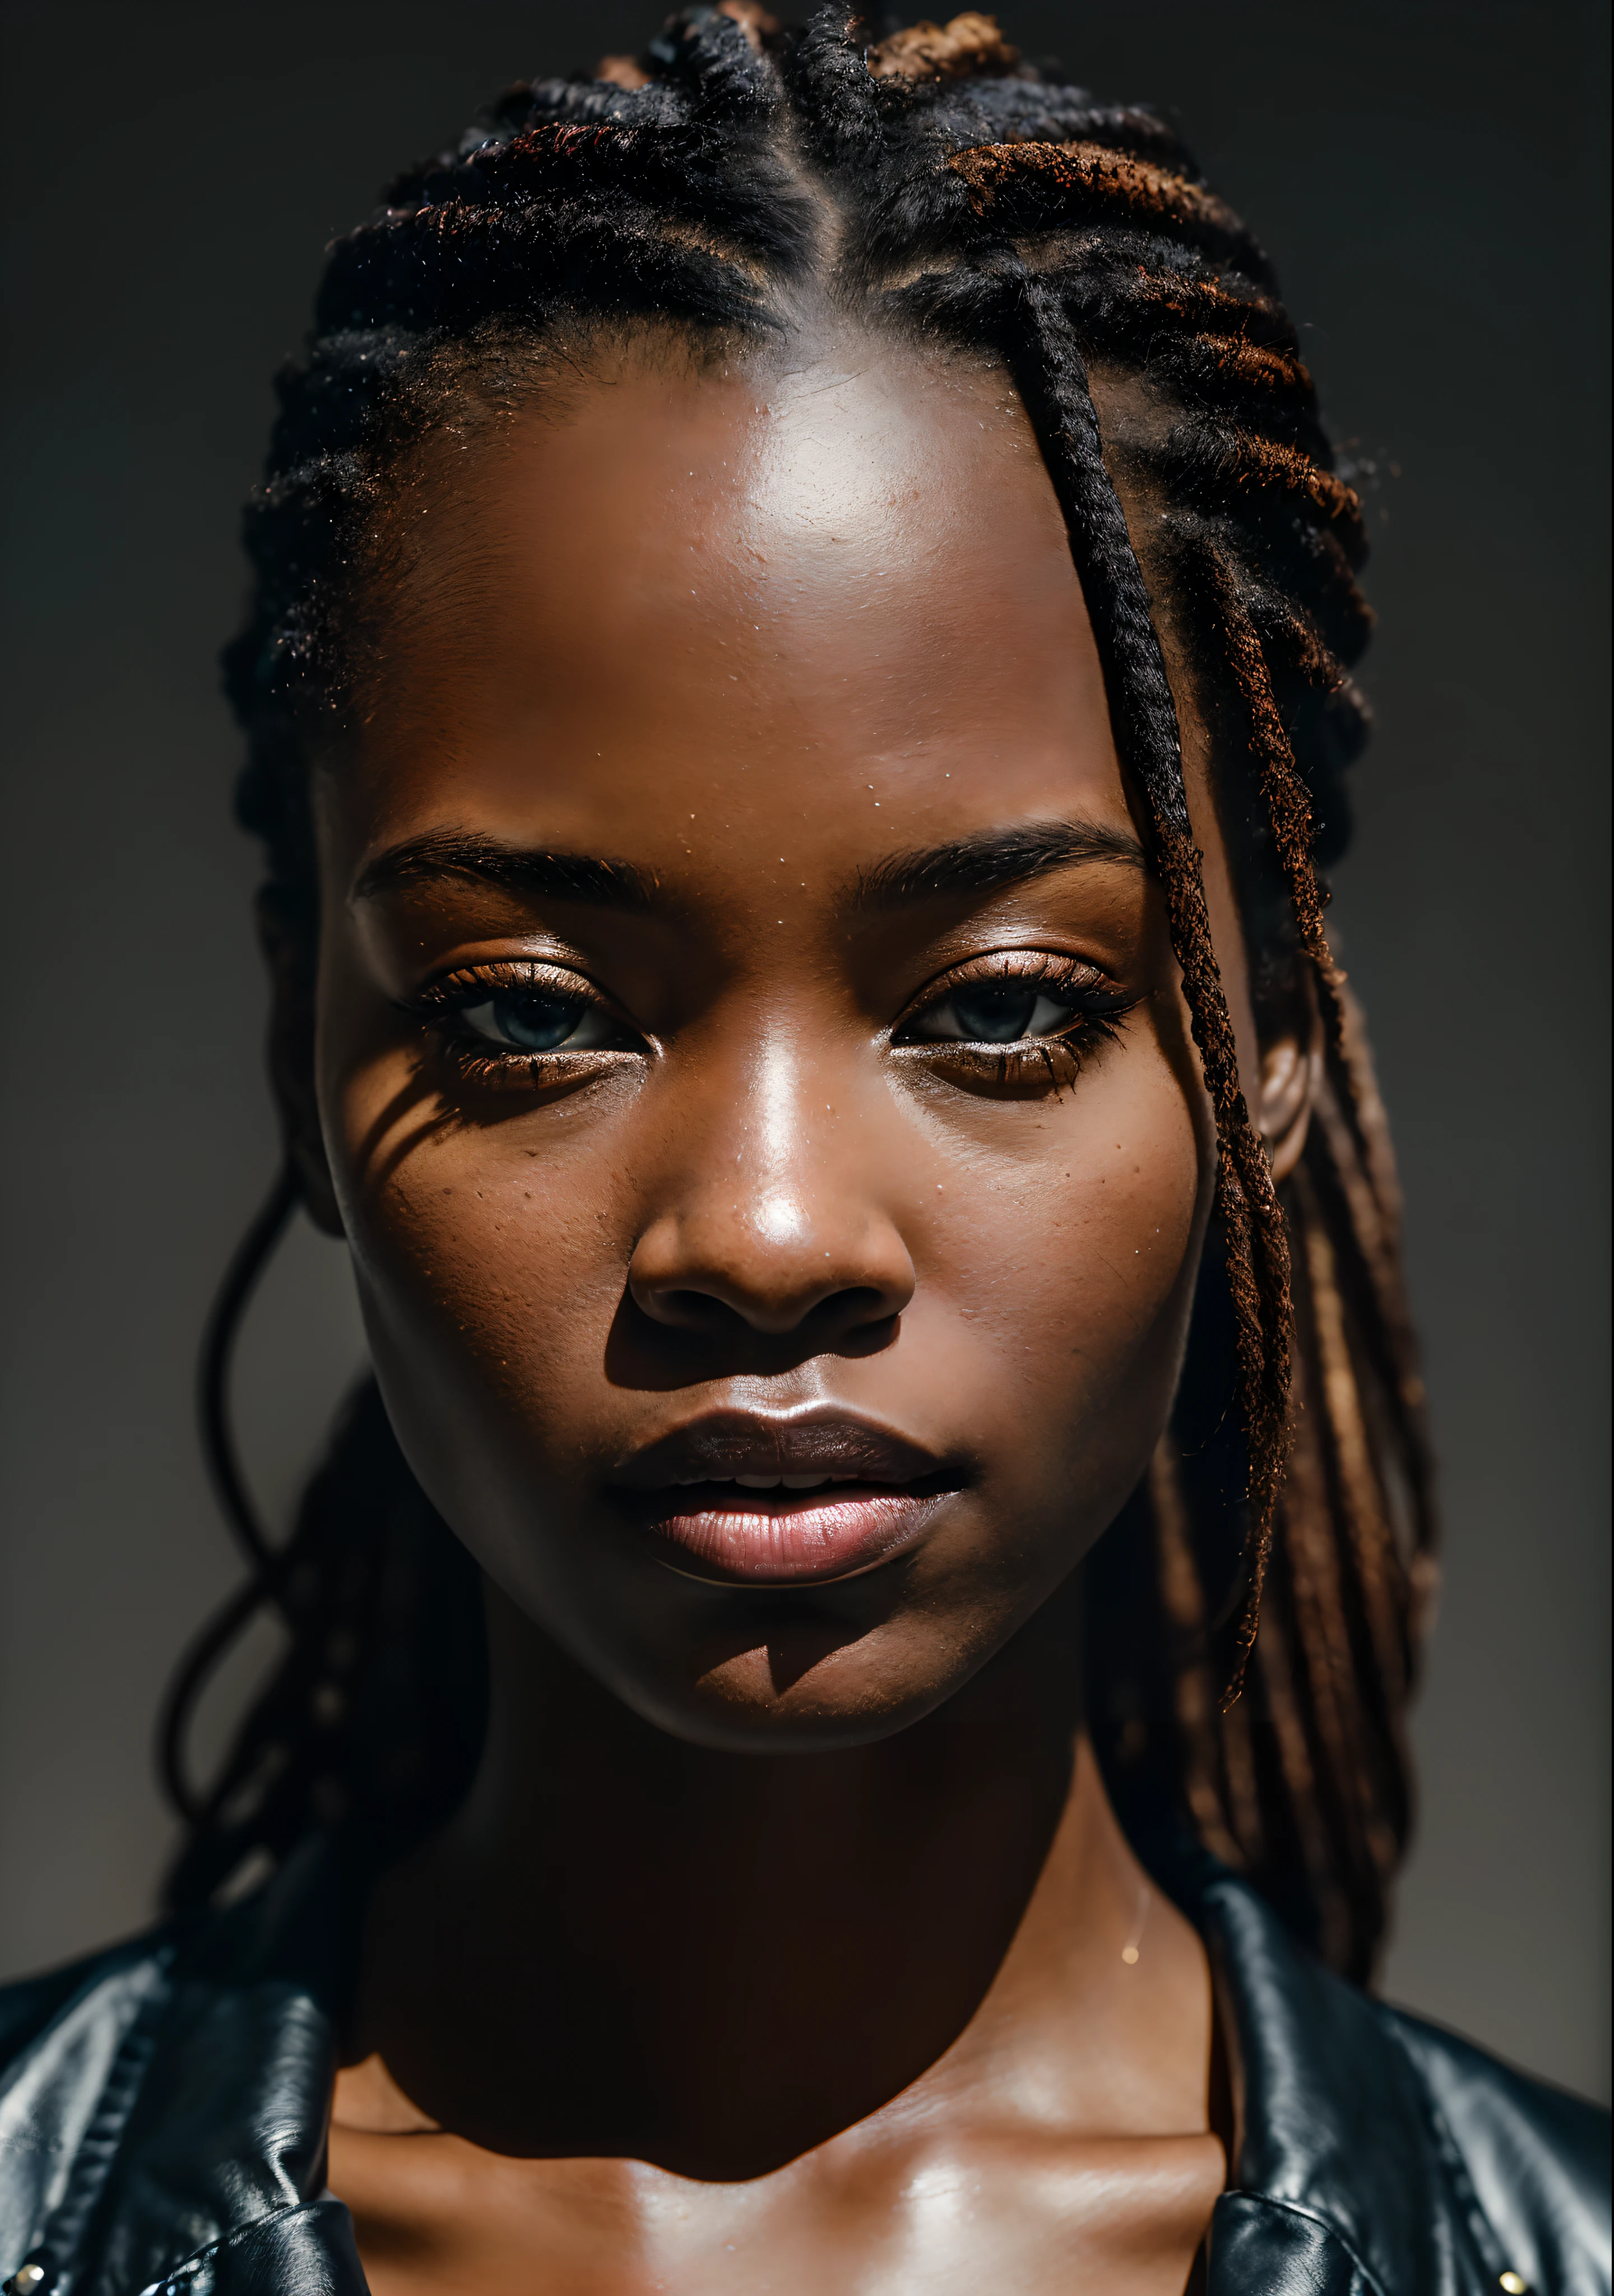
(632, 1945)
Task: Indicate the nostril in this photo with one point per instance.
(686, 1310)
(859, 1304)
(850, 1307)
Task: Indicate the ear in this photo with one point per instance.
(288, 946)
(1291, 1070)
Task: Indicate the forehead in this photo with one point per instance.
(673, 590)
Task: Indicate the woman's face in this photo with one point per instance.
(751, 1066)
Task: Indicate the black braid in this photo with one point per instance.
(930, 183)
(1052, 379)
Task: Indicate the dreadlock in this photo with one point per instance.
(931, 184)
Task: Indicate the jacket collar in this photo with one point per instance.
(191, 2158)
(1340, 2175)
(207, 2178)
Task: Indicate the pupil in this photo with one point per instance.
(998, 1012)
(538, 1023)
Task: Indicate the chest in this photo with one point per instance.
(436, 2216)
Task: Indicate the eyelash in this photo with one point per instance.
(477, 1059)
(1098, 1008)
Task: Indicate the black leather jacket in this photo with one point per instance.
(162, 2121)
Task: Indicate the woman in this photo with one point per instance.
(798, 688)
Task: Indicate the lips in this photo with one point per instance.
(752, 1498)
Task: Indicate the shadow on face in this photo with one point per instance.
(752, 1073)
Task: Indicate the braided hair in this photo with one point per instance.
(1259, 1599)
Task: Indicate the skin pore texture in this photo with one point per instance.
(746, 1040)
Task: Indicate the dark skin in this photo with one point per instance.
(787, 1939)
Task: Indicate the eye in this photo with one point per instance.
(539, 1021)
(1004, 1012)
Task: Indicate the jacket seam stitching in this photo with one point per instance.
(1371, 2279)
(97, 2152)
(1493, 2252)
(176, 2274)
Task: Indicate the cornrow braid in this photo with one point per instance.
(1028, 187)
(932, 185)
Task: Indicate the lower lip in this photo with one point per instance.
(775, 1539)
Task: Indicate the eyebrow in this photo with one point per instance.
(512, 868)
(993, 858)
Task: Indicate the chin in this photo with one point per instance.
(805, 1689)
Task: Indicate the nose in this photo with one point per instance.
(775, 1218)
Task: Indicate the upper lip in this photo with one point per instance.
(820, 1440)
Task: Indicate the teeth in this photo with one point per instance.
(768, 1483)
(789, 1482)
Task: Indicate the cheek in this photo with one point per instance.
(491, 1274)
(1070, 1277)
(486, 1261)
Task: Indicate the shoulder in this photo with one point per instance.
(171, 2092)
(1432, 2165)
(1536, 2158)
(284, 1941)
(101, 1993)
(63, 2039)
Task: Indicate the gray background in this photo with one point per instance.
(1432, 180)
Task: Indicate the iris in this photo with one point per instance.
(1003, 1011)
(526, 1018)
